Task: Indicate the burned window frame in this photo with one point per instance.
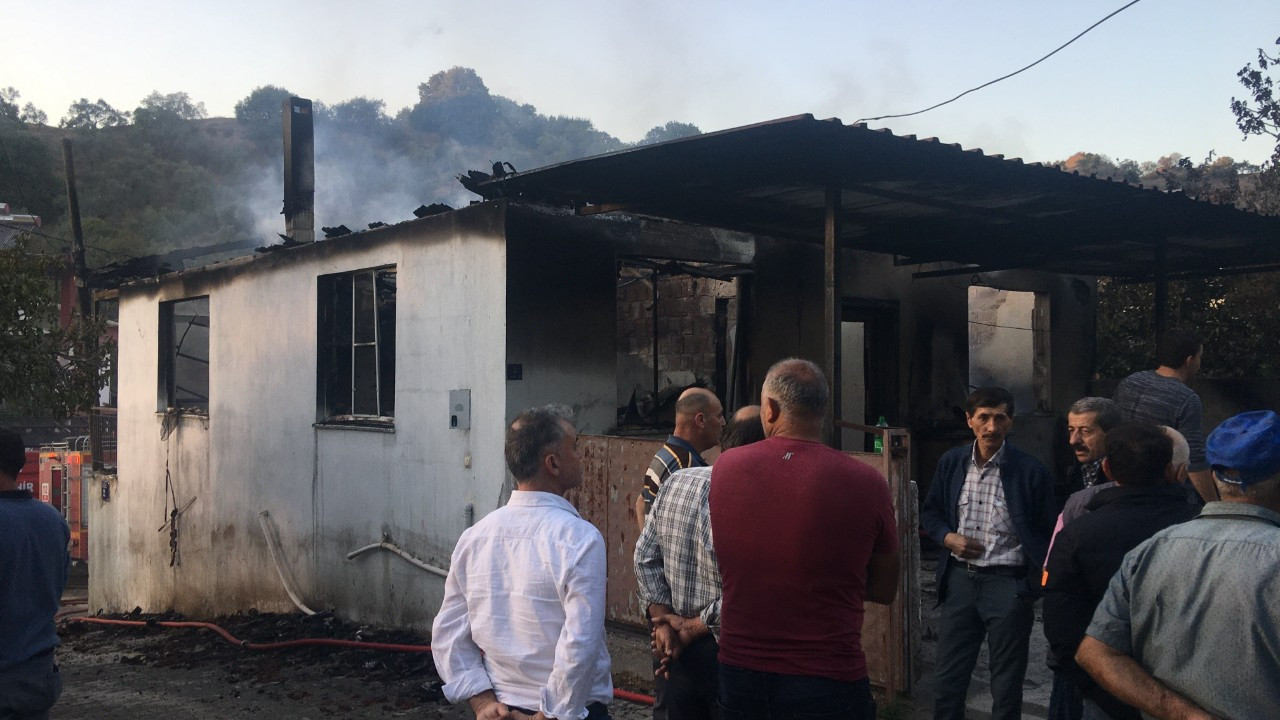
(355, 347)
(179, 389)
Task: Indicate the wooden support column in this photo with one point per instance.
(1161, 308)
(831, 310)
(83, 293)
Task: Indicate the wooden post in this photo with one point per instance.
(831, 310)
(654, 276)
(83, 294)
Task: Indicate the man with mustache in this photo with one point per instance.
(1088, 420)
(991, 507)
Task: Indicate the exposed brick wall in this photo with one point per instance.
(686, 321)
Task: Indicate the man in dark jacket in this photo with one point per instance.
(1146, 499)
(991, 506)
(33, 574)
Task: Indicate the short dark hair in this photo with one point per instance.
(531, 435)
(1138, 453)
(1175, 346)
(1105, 411)
(742, 432)
(988, 397)
(799, 387)
(13, 454)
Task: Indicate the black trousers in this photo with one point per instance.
(694, 685)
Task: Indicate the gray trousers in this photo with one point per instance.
(28, 690)
(982, 605)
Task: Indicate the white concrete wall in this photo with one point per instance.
(328, 491)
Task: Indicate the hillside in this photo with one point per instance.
(167, 178)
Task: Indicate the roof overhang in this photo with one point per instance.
(922, 201)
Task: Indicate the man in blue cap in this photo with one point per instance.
(1189, 626)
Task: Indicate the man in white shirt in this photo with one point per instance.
(521, 631)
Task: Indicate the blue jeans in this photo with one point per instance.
(751, 695)
(29, 689)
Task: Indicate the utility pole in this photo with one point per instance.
(77, 255)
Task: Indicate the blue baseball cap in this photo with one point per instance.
(1248, 444)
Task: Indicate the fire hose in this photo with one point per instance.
(301, 642)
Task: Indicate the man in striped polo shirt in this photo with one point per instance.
(699, 420)
(1162, 397)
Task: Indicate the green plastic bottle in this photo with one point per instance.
(879, 441)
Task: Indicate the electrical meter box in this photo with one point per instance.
(459, 409)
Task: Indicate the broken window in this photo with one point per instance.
(184, 354)
(357, 345)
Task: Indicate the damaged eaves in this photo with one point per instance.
(150, 266)
(922, 201)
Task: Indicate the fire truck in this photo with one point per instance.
(59, 475)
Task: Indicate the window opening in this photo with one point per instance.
(185, 354)
(1009, 345)
(676, 328)
(357, 332)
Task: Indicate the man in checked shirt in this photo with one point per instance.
(680, 580)
(991, 506)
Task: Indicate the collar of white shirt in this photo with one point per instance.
(540, 498)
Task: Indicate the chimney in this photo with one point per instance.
(299, 170)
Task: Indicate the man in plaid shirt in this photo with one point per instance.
(680, 581)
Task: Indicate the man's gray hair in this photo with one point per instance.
(1181, 450)
(533, 434)
(1106, 411)
(799, 387)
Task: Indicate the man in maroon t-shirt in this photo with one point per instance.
(804, 534)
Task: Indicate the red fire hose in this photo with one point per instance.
(390, 647)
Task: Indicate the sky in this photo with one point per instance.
(1156, 79)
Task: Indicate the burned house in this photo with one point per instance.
(279, 413)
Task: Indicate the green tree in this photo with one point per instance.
(45, 369)
(1260, 114)
(85, 115)
(455, 103)
(259, 112)
(30, 173)
(9, 103)
(168, 108)
(360, 114)
(1102, 166)
(33, 115)
(671, 131)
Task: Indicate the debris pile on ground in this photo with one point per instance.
(407, 679)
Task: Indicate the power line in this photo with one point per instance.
(25, 229)
(1005, 77)
(64, 241)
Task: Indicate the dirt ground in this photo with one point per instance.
(119, 673)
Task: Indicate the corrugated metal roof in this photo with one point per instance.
(922, 200)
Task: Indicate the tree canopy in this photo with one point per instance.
(85, 115)
(1260, 114)
(45, 369)
(671, 131)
